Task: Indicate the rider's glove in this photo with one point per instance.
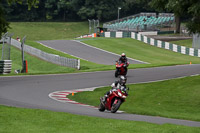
(113, 85)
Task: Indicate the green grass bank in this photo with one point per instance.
(186, 43)
(176, 98)
(19, 120)
(141, 51)
(48, 30)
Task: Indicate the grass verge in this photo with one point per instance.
(35, 65)
(15, 120)
(141, 51)
(186, 43)
(177, 98)
(48, 30)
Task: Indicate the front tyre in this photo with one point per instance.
(125, 73)
(116, 106)
(101, 107)
(116, 73)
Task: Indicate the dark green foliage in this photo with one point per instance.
(194, 25)
(4, 25)
(181, 8)
(104, 10)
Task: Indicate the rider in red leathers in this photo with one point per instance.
(124, 60)
(121, 83)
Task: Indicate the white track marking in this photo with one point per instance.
(61, 96)
(61, 51)
(108, 51)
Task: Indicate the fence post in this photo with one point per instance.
(9, 43)
(4, 37)
(22, 50)
(79, 64)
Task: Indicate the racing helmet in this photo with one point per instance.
(122, 80)
(123, 54)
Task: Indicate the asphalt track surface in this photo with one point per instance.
(33, 91)
(86, 52)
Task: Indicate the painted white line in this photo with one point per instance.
(195, 75)
(61, 51)
(164, 79)
(109, 52)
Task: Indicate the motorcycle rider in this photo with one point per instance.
(119, 84)
(124, 60)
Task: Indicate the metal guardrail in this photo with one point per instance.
(5, 66)
(56, 59)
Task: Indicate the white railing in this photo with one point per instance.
(56, 59)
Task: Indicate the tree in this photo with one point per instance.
(96, 9)
(194, 11)
(170, 6)
(131, 7)
(181, 8)
(4, 25)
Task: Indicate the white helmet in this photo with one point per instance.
(123, 54)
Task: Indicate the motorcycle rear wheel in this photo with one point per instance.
(116, 106)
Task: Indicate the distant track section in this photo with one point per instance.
(86, 52)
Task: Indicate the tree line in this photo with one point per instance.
(104, 10)
(71, 10)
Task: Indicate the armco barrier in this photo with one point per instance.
(154, 42)
(74, 63)
(5, 66)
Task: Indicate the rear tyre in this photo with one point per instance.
(116, 106)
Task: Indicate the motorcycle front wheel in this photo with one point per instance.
(116, 73)
(116, 106)
(101, 107)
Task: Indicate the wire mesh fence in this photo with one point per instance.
(56, 59)
(5, 47)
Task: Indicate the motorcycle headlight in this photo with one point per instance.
(119, 94)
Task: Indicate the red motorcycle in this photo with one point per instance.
(114, 100)
(121, 68)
